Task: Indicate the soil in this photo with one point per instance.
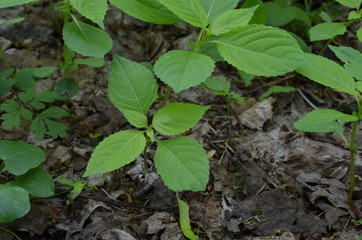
(267, 180)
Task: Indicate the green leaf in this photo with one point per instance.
(54, 112)
(246, 77)
(190, 11)
(176, 118)
(214, 8)
(217, 84)
(116, 151)
(26, 114)
(13, 21)
(147, 10)
(324, 31)
(359, 34)
(259, 15)
(86, 39)
(210, 49)
(14, 203)
(12, 116)
(354, 69)
(280, 13)
(354, 15)
(131, 86)
(182, 164)
(91, 62)
(185, 220)
(45, 96)
(182, 69)
(5, 82)
(11, 3)
(94, 10)
(43, 72)
(232, 19)
(261, 50)
(38, 127)
(56, 129)
(137, 119)
(24, 79)
(276, 89)
(347, 54)
(328, 73)
(66, 87)
(37, 182)
(323, 121)
(19, 157)
(350, 3)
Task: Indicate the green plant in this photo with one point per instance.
(22, 160)
(330, 74)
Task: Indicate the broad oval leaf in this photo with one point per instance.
(182, 164)
(86, 39)
(328, 73)
(190, 11)
(261, 50)
(137, 119)
(131, 85)
(351, 3)
(147, 10)
(214, 8)
(182, 69)
(14, 203)
(324, 31)
(177, 118)
(37, 182)
(115, 151)
(354, 69)
(232, 19)
(94, 10)
(19, 157)
(11, 3)
(323, 121)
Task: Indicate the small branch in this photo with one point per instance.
(10, 232)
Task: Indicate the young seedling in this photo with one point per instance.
(330, 74)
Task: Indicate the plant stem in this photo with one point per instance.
(145, 164)
(10, 232)
(66, 53)
(55, 17)
(352, 149)
(3, 57)
(167, 96)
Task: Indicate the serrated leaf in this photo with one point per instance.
(147, 10)
(354, 69)
(26, 114)
(37, 182)
(24, 79)
(91, 62)
(324, 31)
(94, 10)
(347, 54)
(259, 15)
(14, 203)
(116, 151)
(350, 3)
(261, 50)
(137, 119)
(38, 127)
(182, 69)
(280, 13)
(54, 112)
(323, 121)
(12, 116)
(131, 86)
(214, 8)
(56, 129)
(11, 3)
(5, 82)
(43, 72)
(19, 157)
(218, 84)
(182, 164)
(176, 118)
(190, 11)
(185, 220)
(328, 73)
(45, 96)
(232, 19)
(276, 89)
(86, 39)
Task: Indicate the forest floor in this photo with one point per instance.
(267, 180)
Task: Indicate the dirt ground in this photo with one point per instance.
(267, 180)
